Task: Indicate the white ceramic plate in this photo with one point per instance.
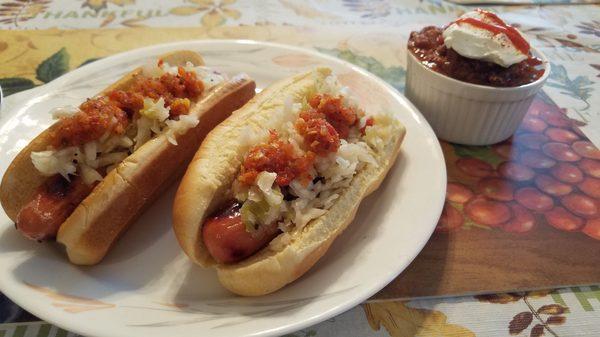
(147, 287)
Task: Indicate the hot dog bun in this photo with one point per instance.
(22, 178)
(216, 164)
(125, 192)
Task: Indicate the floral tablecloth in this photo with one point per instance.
(42, 39)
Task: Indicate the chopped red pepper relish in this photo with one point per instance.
(276, 156)
(114, 111)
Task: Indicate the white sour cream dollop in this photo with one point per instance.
(481, 44)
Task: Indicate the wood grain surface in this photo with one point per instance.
(476, 261)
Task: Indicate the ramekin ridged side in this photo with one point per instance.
(465, 113)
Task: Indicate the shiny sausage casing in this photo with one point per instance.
(50, 206)
(227, 240)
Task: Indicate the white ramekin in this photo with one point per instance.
(465, 113)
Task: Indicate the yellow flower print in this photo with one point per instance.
(14, 12)
(400, 320)
(215, 11)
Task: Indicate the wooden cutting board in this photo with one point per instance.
(520, 215)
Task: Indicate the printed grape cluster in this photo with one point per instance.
(549, 173)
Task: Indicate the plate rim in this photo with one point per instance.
(339, 307)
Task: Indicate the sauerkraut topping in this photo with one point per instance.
(91, 161)
(93, 138)
(301, 170)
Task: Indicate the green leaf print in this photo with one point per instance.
(578, 88)
(393, 75)
(484, 153)
(12, 85)
(54, 66)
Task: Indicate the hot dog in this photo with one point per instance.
(272, 186)
(227, 239)
(89, 175)
(50, 206)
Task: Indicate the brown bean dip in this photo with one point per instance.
(428, 47)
